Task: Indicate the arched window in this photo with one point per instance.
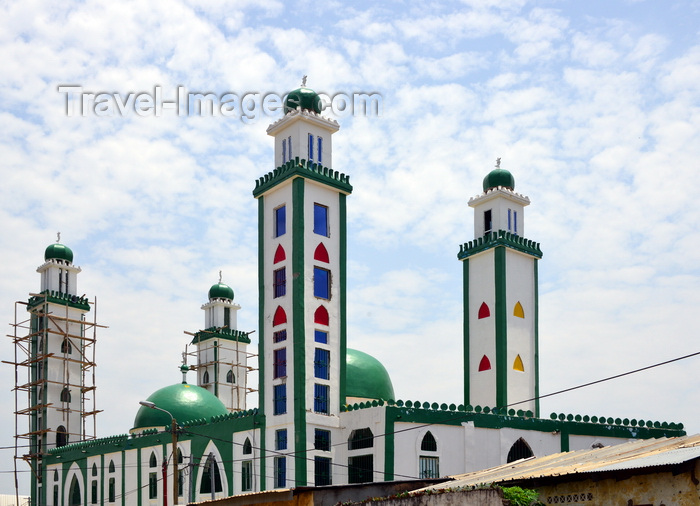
(111, 466)
(66, 347)
(519, 450)
(65, 395)
(208, 476)
(61, 436)
(280, 317)
(153, 477)
(428, 444)
(153, 461)
(280, 255)
(321, 316)
(484, 311)
(55, 475)
(247, 447)
(230, 378)
(321, 253)
(518, 364)
(361, 438)
(485, 364)
(518, 310)
(205, 377)
(74, 497)
(94, 469)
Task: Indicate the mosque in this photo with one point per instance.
(326, 413)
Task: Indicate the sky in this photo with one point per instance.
(593, 106)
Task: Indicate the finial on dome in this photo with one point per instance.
(58, 236)
(498, 163)
(219, 276)
(303, 81)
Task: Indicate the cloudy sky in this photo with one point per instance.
(593, 106)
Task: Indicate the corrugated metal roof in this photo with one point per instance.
(632, 455)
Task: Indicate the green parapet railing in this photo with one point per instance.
(221, 333)
(304, 168)
(499, 238)
(65, 299)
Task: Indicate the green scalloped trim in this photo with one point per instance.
(59, 298)
(305, 169)
(500, 238)
(221, 333)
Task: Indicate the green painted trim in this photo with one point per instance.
(216, 368)
(140, 493)
(537, 340)
(497, 421)
(60, 298)
(262, 453)
(564, 438)
(298, 332)
(500, 238)
(343, 240)
(305, 169)
(501, 327)
(389, 447)
(261, 304)
(221, 333)
(466, 343)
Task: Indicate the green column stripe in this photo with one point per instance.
(298, 331)
(537, 340)
(261, 305)
(388, 445)
(216, 368)
(564, 437)
(342, 217)
(501, 327)
(263, 429)
(465, 309)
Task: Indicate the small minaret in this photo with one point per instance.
(302, 269)
(222, 355)
(57, 345)
(500, 300)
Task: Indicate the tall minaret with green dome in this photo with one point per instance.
(500, 301)
(60, 362)
(301, 272)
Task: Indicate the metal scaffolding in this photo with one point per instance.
(31, 443)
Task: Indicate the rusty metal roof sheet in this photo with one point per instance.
(631, 455)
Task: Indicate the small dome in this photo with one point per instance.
(303, 97)
(499, 177)
(185, 402)
(221, 291)
(58, 251)
(366, 377)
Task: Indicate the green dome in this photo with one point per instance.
(58, 251)
(221, 291)
(499, 177)
(185, 402)
(303, 97)
(366, 377)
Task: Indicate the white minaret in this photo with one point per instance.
(302, 268)
(222, 350)
(501, 302)
(58, 360)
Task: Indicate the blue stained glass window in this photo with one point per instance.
(319, 151)
(281, 439)
(279, 363)
(280, 221)
(284, 150)
(280, 472)
(279, 283)
(321, 394)
(321, 220)
(321, 337)
(279, 399)
(322, 360)
(311, 147)
(322, 283)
